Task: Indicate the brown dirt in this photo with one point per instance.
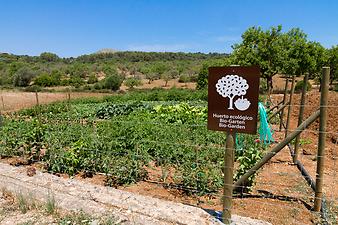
(15, 100)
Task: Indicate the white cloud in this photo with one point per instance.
(159, 47)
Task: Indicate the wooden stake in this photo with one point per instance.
(3, 103)
(278, 111)
(290, 106)
(300, 116)
(277, 148)
(321, 139)
(228, 177)
(283, 103)
(37, 98)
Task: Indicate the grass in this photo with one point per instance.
(46, 213)
(50, 205)
(22, 203)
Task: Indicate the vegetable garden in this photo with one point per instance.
(125, 137)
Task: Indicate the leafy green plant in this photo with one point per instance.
(247, 158)
(300, 84)
(109, 111)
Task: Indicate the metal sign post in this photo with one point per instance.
(232, 107)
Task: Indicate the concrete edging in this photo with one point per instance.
(130, 208)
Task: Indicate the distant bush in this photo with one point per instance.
(113, 82)
(76, 81)
(23, 77)
(92, 79)
(193, 78)
(49, 57)
(46, 80)
(202, 79)
(300, 84)
(33, 88)
(132, 82)
(98, 86)
(183, 78)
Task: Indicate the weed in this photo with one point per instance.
(50, 205)
(22, 203)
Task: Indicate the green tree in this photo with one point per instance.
(23, 77)
(263, 48)
(113, 82)
(132, 82)
(48, 80)
(202, 78)
(49, 57)
(296, 60)
(318, 57)
(333, 63)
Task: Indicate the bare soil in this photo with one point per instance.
(15, 100)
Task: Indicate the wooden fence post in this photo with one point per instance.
(321, 139)
(37, 98)
(228, 177)
(283, 103)
(300, 116)
(290, 106)
(3, 103)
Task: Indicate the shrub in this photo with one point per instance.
(92, 79)
(76, 81)
(300, 84)
(202, 79)
(336, 87)
(183, 78)
(98, 86)
(193, 78)
(113, 82)
(23, 77)
(33, 88)
(132, 82)
(43, 80)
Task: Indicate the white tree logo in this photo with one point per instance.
(231, 86)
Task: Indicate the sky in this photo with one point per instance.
(77, 27)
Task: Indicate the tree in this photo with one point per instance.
(318, 57)
(202, 78)
(231, 86)
(23, 77)
(333, 63)
(263, 48)
(113, 82)
(132, 82)
(296, 60)
(49, 57)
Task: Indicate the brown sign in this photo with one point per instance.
(233, 99)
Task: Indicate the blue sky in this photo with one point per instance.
(75, 27)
